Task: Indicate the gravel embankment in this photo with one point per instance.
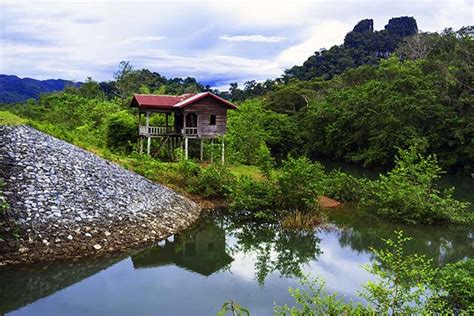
(66, 202)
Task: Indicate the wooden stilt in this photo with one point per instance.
(148, 146)
(202, 149)
(223, 151)
(186, 148)
(141, 145)
(148, 133)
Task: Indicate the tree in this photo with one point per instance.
(124, 80)
(91, 90)
(417, 46)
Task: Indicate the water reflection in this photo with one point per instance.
(201, 249)
(361, 232)
(22, 285)
(275, 249)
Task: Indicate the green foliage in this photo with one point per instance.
(213, 181)
(253, 199)
(361, 46)
(7, 118)
(369, 111)
(315, 300)
(402, 281)
(342, 186)
(403, 284)
(365, 113)
(70, 117)
(300, 182)
(121, 130)
(144, 165)
(264, 160)
(408, 193)
(245, 132)
(454, 284)
(233, 308)
(91, 90)
(188, 171)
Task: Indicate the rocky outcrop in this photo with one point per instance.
(66, 202)
(366, 25)
(402, 26)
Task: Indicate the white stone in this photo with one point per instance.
(97, 247)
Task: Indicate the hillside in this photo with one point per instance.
(14, 89)
(361, 46)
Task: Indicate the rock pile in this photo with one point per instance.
(66, 202)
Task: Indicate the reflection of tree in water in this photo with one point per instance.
(443, 244)
(276, 249)
(201, 249)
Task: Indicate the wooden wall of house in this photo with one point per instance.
(204, 108)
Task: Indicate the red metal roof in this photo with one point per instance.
(170, 101)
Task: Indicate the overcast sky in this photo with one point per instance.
(217, 42)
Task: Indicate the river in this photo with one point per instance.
(218, 259)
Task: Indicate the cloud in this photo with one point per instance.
(213, 41)
(143, 39)
(209, 68)
(88, 20)
(323, 35)
(252, 38)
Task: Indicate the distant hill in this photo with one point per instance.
(14, 89)
(361, 46)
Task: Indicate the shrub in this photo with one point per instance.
(455, 283)
(264, 160)
(408, 193)
(145, 166)
(121, 131)
(188, 172)
(401, 284)
(250, 198)
(342, 186)
(213, 181)
(315, 300)
(299, 183)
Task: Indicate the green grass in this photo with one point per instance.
(7, 118)
(244, 170)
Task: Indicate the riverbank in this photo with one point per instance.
(65, 202)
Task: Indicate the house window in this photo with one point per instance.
(212, 119)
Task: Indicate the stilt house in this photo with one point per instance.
(202, 116)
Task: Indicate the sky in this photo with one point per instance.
(217, 42)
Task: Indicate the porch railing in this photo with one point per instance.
(190, 131)
(155, 130)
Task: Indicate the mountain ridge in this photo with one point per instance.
(15, 89)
